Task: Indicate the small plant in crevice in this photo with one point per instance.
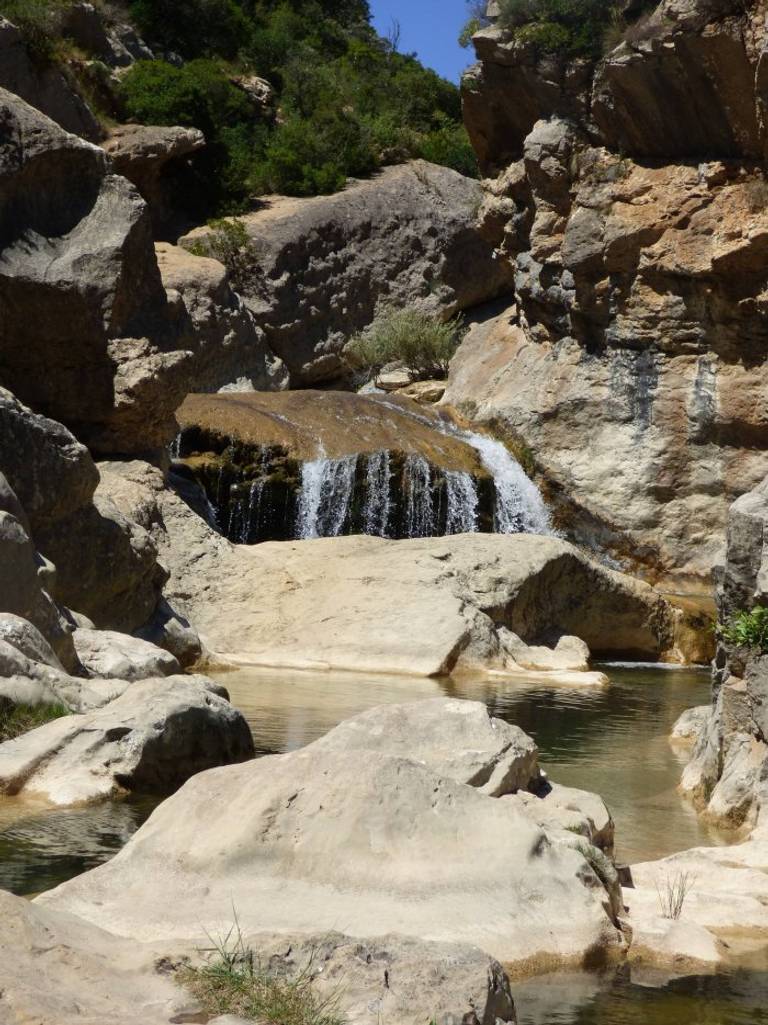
(672, 893)
(424, 344)
(232, 981)
(747, 629)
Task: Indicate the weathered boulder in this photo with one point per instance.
(107, 654)
(90, 975)
(25, 637)
(329, 602)
(322, 267)
(554, 806)
(690, 724)
(150, 738)
(321, 836)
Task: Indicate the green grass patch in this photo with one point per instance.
(232, 981)
(747, 629)
(18, 719)
(422, 343)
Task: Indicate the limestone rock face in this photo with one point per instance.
(323, 835)
(727, 775)
(151, 738)
(628, 197)
(321, 267)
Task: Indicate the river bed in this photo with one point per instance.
(612, 740)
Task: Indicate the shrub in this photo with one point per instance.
(233, 982)
(747, 629)
(423, 344)
(449, 145)
(37, 22)
(228, 242)
(193, 28)
(18, 719)
(573, 27)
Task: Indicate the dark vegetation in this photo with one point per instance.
(18, 719)
(346, 101)
(575, 28)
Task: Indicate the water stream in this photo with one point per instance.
(611, 740)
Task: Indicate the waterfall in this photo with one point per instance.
(252, 521)
(519, 507)
(326, 493)
(462, 499)
(419, 508)
(378, 475)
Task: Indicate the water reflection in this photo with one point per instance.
(42, 847)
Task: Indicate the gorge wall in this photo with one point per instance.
(628, 195)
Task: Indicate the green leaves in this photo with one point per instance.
(747, 629)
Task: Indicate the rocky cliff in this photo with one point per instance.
(628, 194)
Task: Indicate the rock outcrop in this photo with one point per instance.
(628, 196)
(120, 347)
(327, 835)
(728, 772)
(149, 739)
(321, 268)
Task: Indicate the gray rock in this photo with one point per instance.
(322, 267)
(151, 738)
(28, 640)
(107, 654)
(170, 630)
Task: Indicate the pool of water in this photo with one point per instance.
(612, 740)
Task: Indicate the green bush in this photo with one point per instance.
(747, 629)
(423, 344)
(573, 27)
(449, 145)
(37, 22)
(228, 242)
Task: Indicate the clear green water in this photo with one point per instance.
(611, 740)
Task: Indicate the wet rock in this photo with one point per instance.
(151, 738)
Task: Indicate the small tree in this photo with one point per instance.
(228, 242)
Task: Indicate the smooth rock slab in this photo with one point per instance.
(458, 740)
(362, 841)
(58, 970)
(151, 738)
(112, 655)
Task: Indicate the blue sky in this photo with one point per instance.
(431, 28)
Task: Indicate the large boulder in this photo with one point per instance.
(150, 739)
(110, 655)
(322, 267)
(425, 606)
(327, 835)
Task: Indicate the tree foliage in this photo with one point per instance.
(348, 101)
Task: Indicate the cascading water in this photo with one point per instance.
(326, 493)
(519, 506)
(378, 475)
(462, 500)
(419, 505)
